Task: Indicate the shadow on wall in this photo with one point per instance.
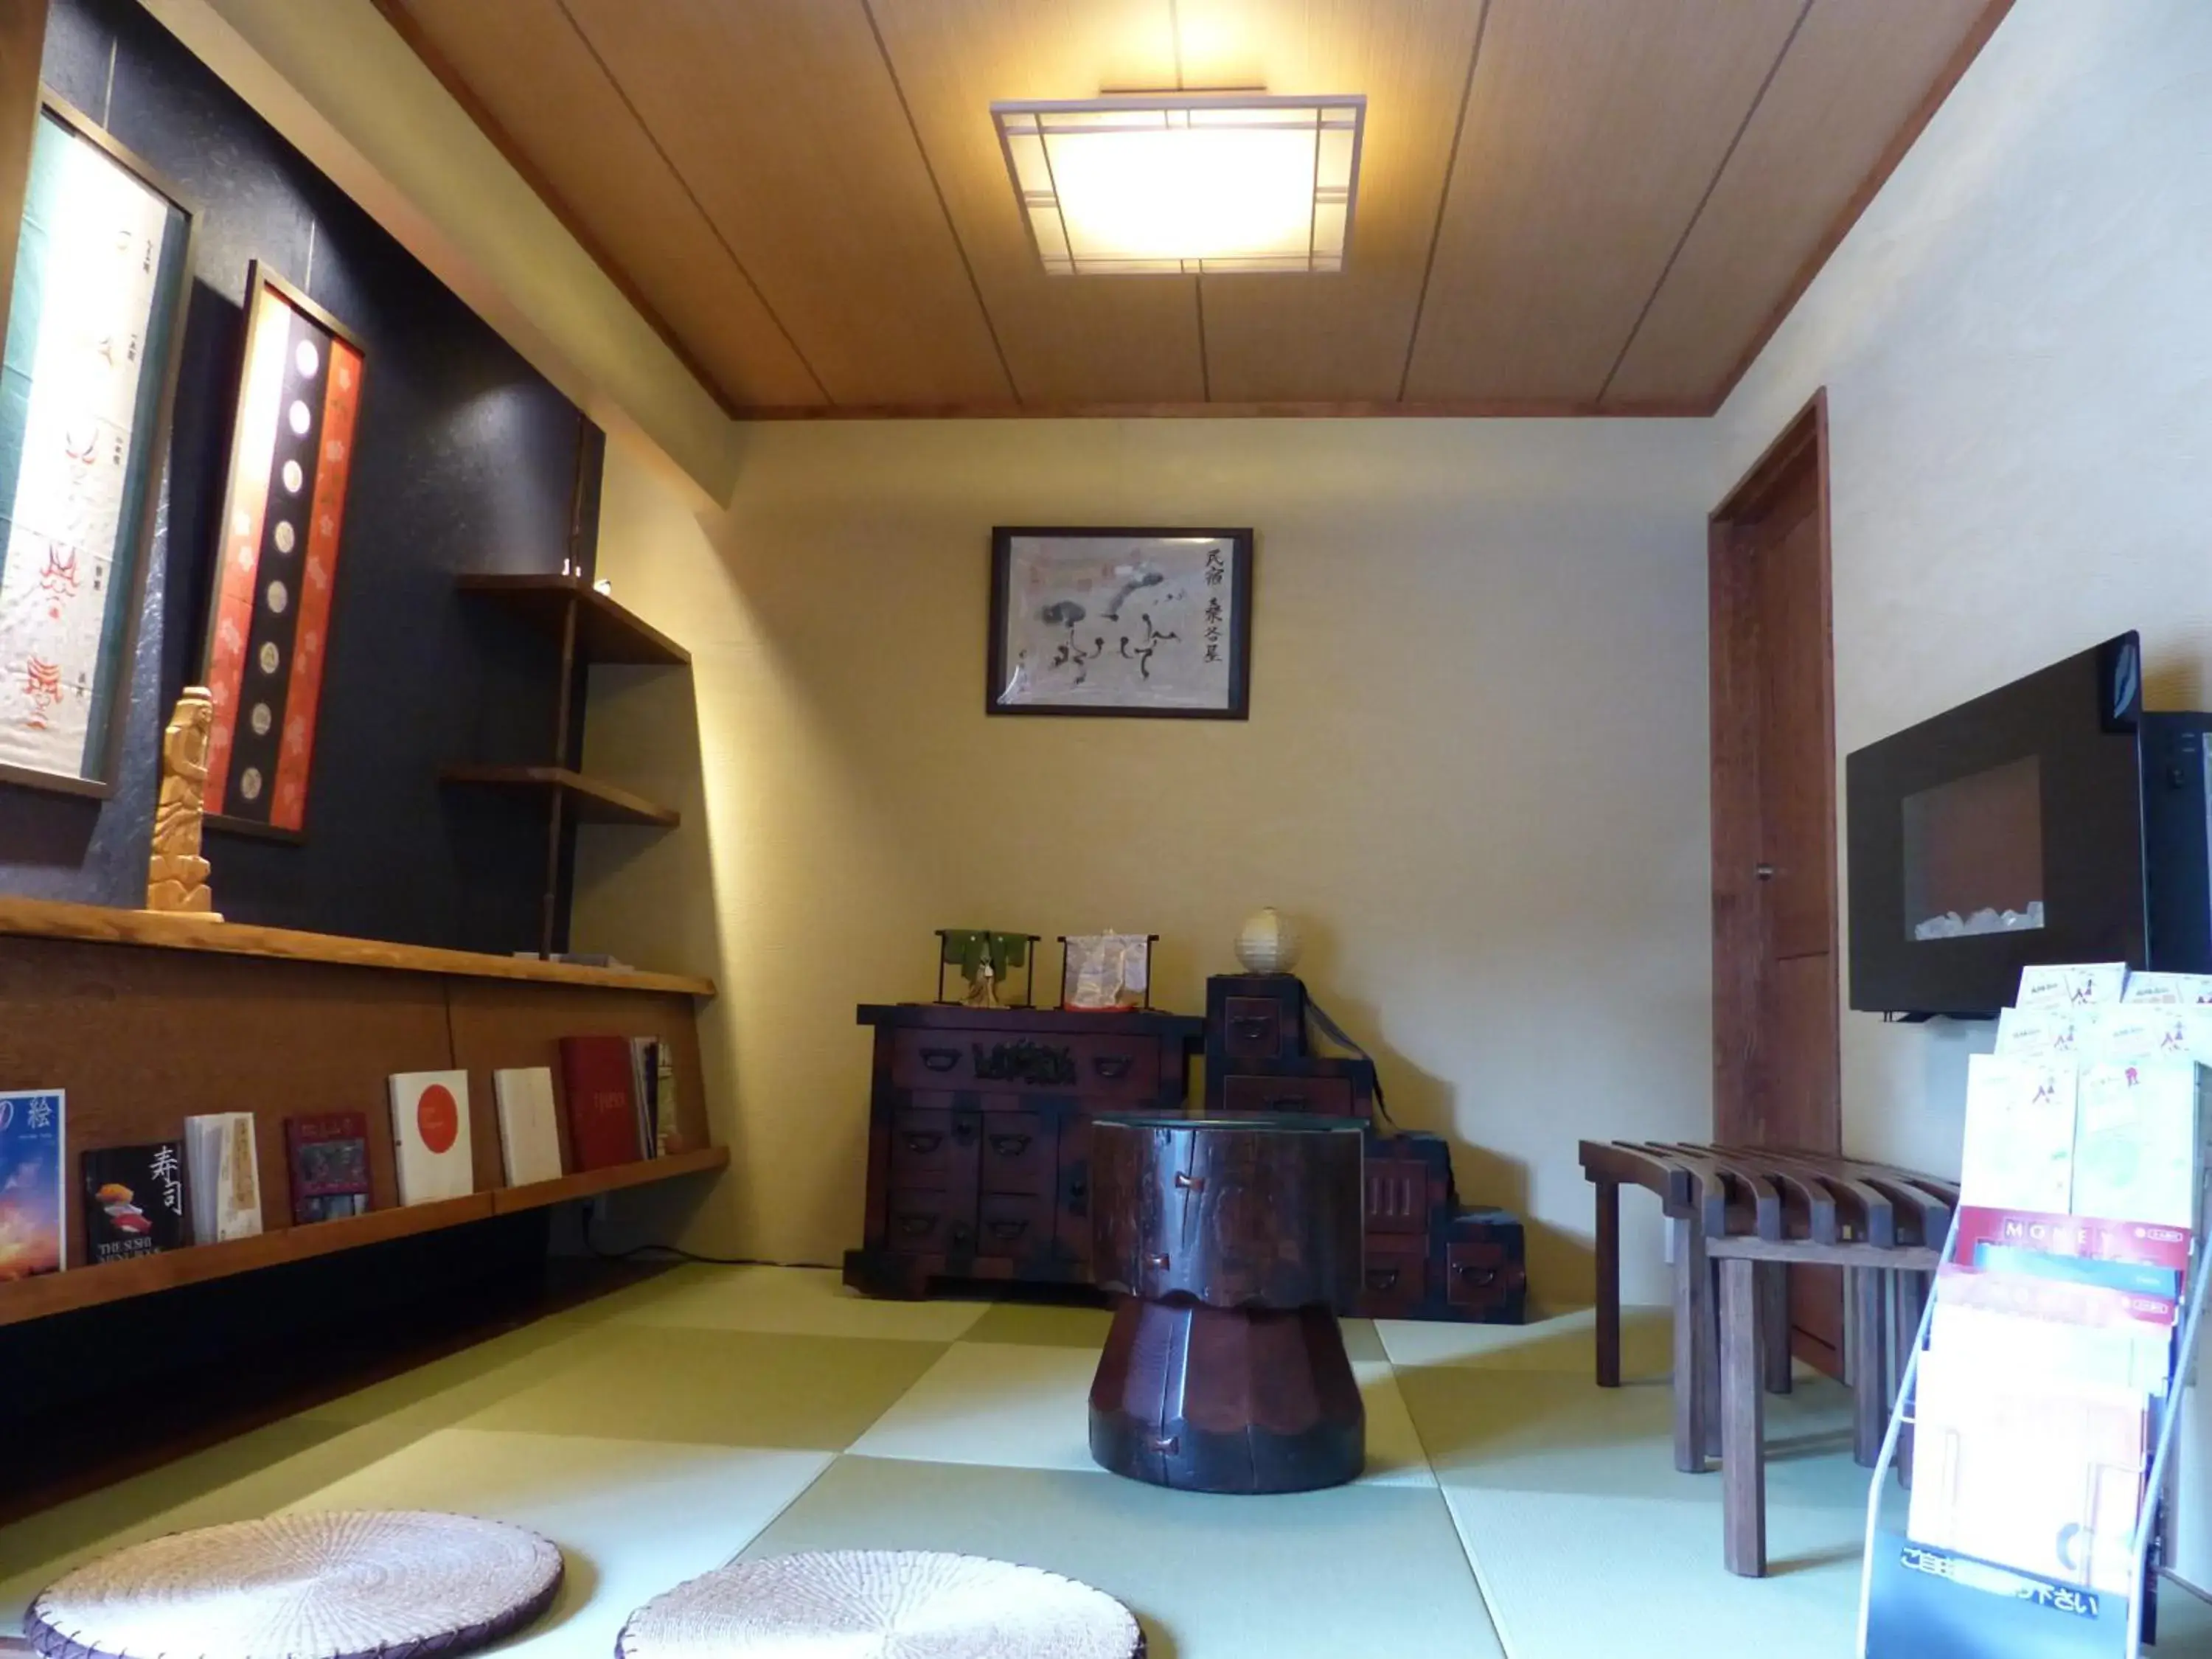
(645, 738)
(1561, 1267)
(40, 832)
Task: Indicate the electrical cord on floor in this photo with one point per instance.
(673, 1252)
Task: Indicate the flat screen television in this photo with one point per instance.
(2052, 820)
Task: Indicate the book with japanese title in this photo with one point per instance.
(32, 1184)
(134, 1202)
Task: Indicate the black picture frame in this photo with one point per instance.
(1237, 628)
(134, 544)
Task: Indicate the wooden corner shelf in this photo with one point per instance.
(86, 1287)
(587, 800)
(605, 632)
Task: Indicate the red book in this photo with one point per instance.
(329, 1165)
(600, 1092)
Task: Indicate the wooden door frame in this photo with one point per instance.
(1737, 893)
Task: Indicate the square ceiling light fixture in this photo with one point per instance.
(1186, 183)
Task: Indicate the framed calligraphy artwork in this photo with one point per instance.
(268, 620)
(1154, 622)
(103, 269)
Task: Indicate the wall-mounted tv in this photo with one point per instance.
(2052, 820)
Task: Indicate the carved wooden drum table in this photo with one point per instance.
(1231, 1246)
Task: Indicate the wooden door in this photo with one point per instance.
(1776, 1072)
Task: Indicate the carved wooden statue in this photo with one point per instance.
(176, 874)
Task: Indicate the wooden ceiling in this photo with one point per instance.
(1565, 206)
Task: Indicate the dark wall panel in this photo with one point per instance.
(465, 459)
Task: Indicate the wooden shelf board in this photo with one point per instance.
(508, 1199)
(605, 632)
(86, 1287)
(590, 800)
(107, 925)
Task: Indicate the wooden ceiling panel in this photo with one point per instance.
(1564, 205)
(1341, 336)
(1067, 340)
(530, 82)
(1594, 129)
(784, 120)
(1858, 79)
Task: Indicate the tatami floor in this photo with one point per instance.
(1510, 1507)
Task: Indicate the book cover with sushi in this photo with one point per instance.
(134, 1202)
(31, 1185)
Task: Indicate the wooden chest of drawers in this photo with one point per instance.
(1427, 1256)
(979, 1136)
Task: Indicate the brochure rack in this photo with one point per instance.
(1918, 1602)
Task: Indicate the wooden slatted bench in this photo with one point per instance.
(1743, 1216)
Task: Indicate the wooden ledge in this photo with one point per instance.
(105, 925)
(86, 1287)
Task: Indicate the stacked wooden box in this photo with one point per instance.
(1428, 1256)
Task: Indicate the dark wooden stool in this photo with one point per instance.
(1232, 1244)
(1743, 1216)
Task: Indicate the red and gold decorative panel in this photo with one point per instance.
(283, 510)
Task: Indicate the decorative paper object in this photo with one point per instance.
(1120, 621)
(1268, 943)
(430, 1133)
(2019, 1151)
(395, 1584)
(291, 454)
(102, 274)
(1106, 970)
(870, 1604)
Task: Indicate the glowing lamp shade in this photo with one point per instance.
(1186, 183)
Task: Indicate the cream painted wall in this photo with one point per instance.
(2017, 344)
(1475, 773)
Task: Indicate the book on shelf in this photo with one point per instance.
(2018, 1148)
(329, 1158)
(665, 1139)
(34, 1183)
(601, 1086)
(643, 1076)
(223, 1172)
(653, 1069)
(135, 1201)
(529, 1137)
(430, 1136)
(576, 959)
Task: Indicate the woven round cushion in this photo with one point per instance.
(333, 1585)
(873, 1604)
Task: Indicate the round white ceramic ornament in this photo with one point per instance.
(1268, 943)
